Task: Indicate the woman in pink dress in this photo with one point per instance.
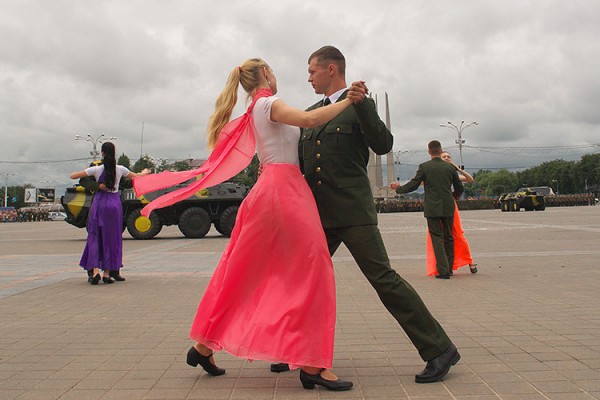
(462, 252)
(272, 295)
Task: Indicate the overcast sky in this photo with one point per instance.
(526, 70)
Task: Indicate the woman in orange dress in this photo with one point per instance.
(462, 252)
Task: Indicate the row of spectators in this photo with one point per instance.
(25, 214)
(8, 214)
(482, 203)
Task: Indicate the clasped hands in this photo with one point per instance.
(357, 92)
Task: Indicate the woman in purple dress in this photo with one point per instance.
(104, 246)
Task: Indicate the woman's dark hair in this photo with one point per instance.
(110, 164)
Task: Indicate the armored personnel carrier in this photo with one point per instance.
(525, 198)
(217, 205)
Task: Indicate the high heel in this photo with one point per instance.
(116, 276)
(473, 268)
(95, 279)
(194, 358)
(309, 381)
(107, 279)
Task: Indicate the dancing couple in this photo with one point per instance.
(272, 295)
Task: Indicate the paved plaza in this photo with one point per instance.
(527, 325)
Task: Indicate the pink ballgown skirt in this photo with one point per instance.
(272, 295)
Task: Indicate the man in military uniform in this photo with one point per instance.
(334, 158)
(438, 177)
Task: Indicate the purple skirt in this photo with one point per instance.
(104, 246)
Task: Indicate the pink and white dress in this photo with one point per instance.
(272, 295)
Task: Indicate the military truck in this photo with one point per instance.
(217, 205)
(525, 198)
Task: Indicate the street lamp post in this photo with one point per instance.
(94, 141)
(397, 162)
(6, 175)
(460, 141)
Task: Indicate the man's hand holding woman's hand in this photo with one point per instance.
(357, 92)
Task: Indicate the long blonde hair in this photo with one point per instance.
(248, 75)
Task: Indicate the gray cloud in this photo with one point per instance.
(527, 71)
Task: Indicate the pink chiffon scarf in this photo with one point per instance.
(233, 152)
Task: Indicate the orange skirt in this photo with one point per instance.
(462, 252)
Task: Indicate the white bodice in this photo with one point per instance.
(275, 142)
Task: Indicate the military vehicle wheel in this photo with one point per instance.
(141, 227)
(226, 221)
(194, 222)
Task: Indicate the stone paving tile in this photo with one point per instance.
(527, 325)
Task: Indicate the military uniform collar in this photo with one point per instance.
(335, 96)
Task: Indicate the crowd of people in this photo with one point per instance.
(9, 215)
(25, 214)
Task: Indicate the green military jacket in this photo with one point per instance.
(438, 178)
(334, 158)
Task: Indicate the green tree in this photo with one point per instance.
(249, 175)
(182, 166)
(144, 162)
(124, 160)
(163, 166)
(548, 174)
(494, 183)
(588, 173)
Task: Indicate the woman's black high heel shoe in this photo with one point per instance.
(194, 358)
(107, 280)
(309, 381)
(95, 279)
(116, 276)
(473, 268)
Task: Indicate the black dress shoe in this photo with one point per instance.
(107, 280)
(281, 367)
(309, 381)
(443, 276)
(473, 268)
(95, 279)
(90, 275)
(116, 276)
(194, 358)
(437, 368)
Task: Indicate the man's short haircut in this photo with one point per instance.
(435, 147)
(330, 55)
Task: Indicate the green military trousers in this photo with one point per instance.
(398, 296)
(442, 241)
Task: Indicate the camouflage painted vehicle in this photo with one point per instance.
(525, 198)
(217, 205)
